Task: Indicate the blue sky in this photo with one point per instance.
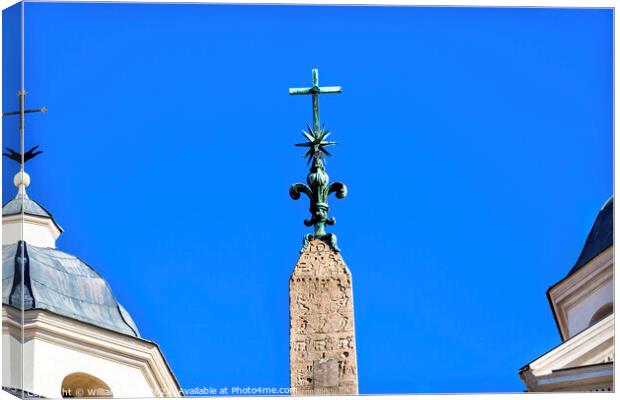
(476, 144)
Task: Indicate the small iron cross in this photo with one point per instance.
(22, 157)
(315, 90)
(22, 103)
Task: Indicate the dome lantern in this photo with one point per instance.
(25, 219)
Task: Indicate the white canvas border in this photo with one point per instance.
(480, 3)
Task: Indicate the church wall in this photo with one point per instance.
(53, 362)
(57, 346)
(19, 360)
(11, 357)
(577, 297)
(580, 314)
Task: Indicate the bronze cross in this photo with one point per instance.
(315, 90)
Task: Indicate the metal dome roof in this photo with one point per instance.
(601, 236)
(63, 284)
(30, 207)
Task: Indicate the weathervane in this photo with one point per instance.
(22, 157)
(17, 157)
(318, 188)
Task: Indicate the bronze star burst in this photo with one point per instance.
(316, 142)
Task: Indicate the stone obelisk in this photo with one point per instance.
(322, 330)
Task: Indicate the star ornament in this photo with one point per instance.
(316, 143)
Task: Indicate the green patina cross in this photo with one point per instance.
(318, 188)
(315, 90)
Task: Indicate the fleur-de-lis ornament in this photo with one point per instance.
(318, 188)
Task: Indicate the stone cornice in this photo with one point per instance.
(583, 348)
(86, 338)
(585, 378)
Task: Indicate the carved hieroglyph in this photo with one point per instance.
(322, 330)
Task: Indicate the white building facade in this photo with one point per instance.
(583, 307)
(73, 338)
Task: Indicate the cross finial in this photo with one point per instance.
(315, 90)
(318, 187)
(22, 157)
(22, 102)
